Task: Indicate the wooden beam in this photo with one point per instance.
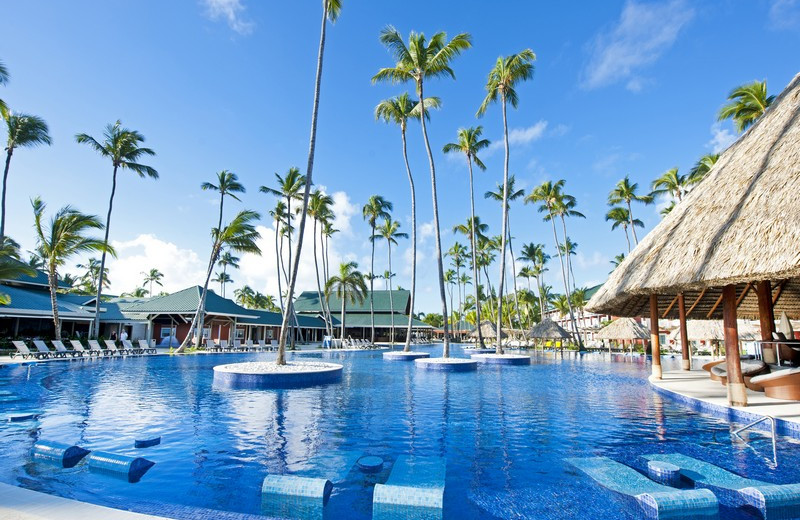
(736, 390)
(699, 297)
(716, 304)
(778, 292)
(670, 306)
(744, 293)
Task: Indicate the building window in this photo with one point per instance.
(269, 333)
(239, 333)
(166, 332)
(206, 332)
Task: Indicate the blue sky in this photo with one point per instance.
(620, 88)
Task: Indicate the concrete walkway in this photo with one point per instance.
(697, 385)
(18, 503)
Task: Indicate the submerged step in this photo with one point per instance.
(133, 468)
(53, 452)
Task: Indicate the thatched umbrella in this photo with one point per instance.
(624, 328)
(713, 330)
(730, 247)
(488, 330)
(548, 329)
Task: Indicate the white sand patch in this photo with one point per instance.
(270, 367)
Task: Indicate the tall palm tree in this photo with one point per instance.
(244, 295)
(319, 209)
(625, 192)
(348, 286)
(4, 77)
(330, 12)
(702, 167)
(226, 260)
(569, 249)
(501, 83)
(670, 182)
(469, 143)
(747, 103)
(64, 238)
(153, 276)
(457, 254)
(420, 60)
(241, 236)
(562, 305)
(399, 110)
(123, 147)
(512, 194)
(451, 279)
(619, 216)
(278, 215)
(91, 277)
(24, 131)
(389, 231)
(565, 207)
(376, 208)
(222, 278)
(535, 254)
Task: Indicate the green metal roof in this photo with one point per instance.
(308, 302)
(36, 303)
(381, 320)
(186, 301)
(40, 278)
(274, 319)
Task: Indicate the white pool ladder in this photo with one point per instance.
(771, 419)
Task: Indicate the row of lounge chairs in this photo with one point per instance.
(42, 351)
(778, 383)
(357, 343)
(238, 346)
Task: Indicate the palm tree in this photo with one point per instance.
(703, 166)
(376, 208)
(3, 80)
(620, 216)
(512, 194)
(469, 143)
(239, 235)
(330, 11)
(389, 232)
(399, 110)
(569, 249)
(122, 146)
(11, 267)
(278, 215)
(64, 238)
(562, 305)
(153, 276)
(501, 83)
(139, 292)
(244, 296)
(672, 183)
(747, 103)
(457, 254)
(92, 276)
(227, 259)
(624, 191)
(423, 59)
(319, 209)
(451, 279)
(667, 209)
(222, 278)
(348, 286)
(617, 260)
(24, 131)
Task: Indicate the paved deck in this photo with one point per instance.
(696, 385)
(18, 503)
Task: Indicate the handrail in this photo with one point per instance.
(771, 419)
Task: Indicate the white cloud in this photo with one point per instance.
(642, 34)
(232, 12)
(784, 14)
(721, 138)
(587, 262)
(344, 210)
(519, 137)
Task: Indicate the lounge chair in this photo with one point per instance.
(415, 489)
(146, 348)
(25, 352)
(238, 346)
(250, 346)
(772, 500)
(76, 345)
(61, 349)
(94, 346)
(781, 384)
(750, 369)
(657, 500)
(127, 345)
(273, 343)
(224, 347)
(41, 346)
(708, 366)
(111, 345)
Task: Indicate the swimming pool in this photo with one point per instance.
(504, 432)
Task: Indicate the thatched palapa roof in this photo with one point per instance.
(488, 330)
(624, 328)
(706, 330)
(548, 329)
(740, 225)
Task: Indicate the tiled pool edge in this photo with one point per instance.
(783, 427)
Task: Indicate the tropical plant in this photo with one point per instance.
(617, 260)
(469, 143)
(422, 59)
(64, 237)
(619, 216)
(451, 279)
(569, 249)
(4, 77)
(399, 110)
(24, 131)
(389, 231)
(562, 305)
(534, 253)
(11, 267)
(244, 295)
(330, 12)
(503, 78)
(241, 236)
(226, 260)
(91, 277)
(376, 208)
(672, 183)
(222, 278)
(319, 209)
(348, 286)
(123, 147)
(153, 276)
(746, 104)
(667, 209)
(625, 192)
(702, 167)
(139, 292)
(457, 254)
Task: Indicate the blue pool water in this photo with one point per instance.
(503, 431)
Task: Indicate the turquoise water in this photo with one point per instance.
(503, 432)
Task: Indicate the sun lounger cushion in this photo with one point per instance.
(750, 368)
(781, 384)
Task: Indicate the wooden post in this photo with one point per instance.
(766, 315)
(654, 340)
(685, 351)
(737, 396)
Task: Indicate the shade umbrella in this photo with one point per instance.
(488, 330)
(623, 328)
(548, 329)
(712, 330)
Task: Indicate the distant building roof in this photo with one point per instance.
(308, 302)
(34, 303)
(274, 319)
(38, 279)
(186, 301)
(382, 320)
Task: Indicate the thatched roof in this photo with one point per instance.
(624, 328)
(741, 224)
(488, 330)
(705, 330)
(548, 329)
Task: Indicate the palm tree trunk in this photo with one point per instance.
(278, 264)
(199, 318)
(341, 317)
(567, 254)
(391, 300)
(440, 268)
(325, 304)
(372, 286)
(513, 271)
(627, 238)
(9, 153)
(633, 228)
(316, 270)
(281, 360)
(564, 277)
(541, 298)
(52, 280)
(407, 347)
(103, 256)
(504, 235)
(474, 254)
